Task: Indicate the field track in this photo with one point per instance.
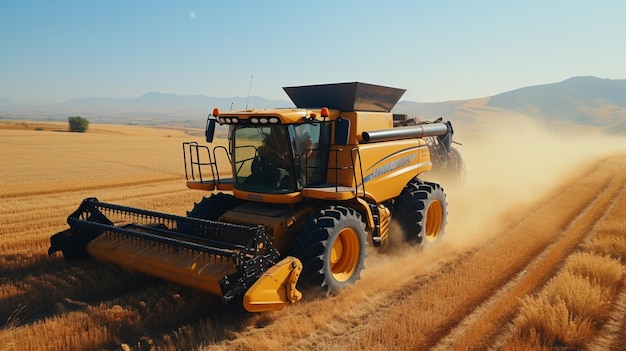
(474, 293)
(449, 297)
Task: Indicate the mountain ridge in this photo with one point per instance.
(580, 100)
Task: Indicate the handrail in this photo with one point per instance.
(192, 157)
(214, 168)
(193, 162)
(355, 156)
(356, 181)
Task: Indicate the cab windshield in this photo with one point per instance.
(263, 159)
(280, 158)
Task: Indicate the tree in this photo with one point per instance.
(78, 124)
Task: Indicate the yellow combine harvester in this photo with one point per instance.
(311, 187)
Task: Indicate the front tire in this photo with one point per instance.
(332, 248)
(213, 207)
(421, 210)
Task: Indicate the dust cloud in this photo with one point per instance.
(511, 165)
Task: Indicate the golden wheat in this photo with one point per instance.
(598, 269)
(551, 321)
(575, 304)
(407, 300)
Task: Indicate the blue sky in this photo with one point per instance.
(53, 51)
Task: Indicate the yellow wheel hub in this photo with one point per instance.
(344, 255)
(434, 220)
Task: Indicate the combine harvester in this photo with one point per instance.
(312, 187)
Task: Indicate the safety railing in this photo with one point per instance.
(357, 182)
(334, 185)
(201, 162)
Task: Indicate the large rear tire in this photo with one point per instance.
(421, 210)
(332, 247)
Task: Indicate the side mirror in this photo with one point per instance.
(342, 131)
(209, 132)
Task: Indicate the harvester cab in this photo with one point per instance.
(305, 190)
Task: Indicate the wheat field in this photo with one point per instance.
(533, 257)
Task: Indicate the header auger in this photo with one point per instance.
(306, 190)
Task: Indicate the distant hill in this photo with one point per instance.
(579, 100)
(172, 103)
(424, 109)
(583, 101)
(149, 109)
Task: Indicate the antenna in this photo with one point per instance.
(249, 89)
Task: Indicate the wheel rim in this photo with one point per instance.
(344, 255)
(434, 219)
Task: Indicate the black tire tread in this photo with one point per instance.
(214, 207)
(410, 206)
(316, 237)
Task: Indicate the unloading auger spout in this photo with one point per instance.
(418, 131)
(229, 260)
